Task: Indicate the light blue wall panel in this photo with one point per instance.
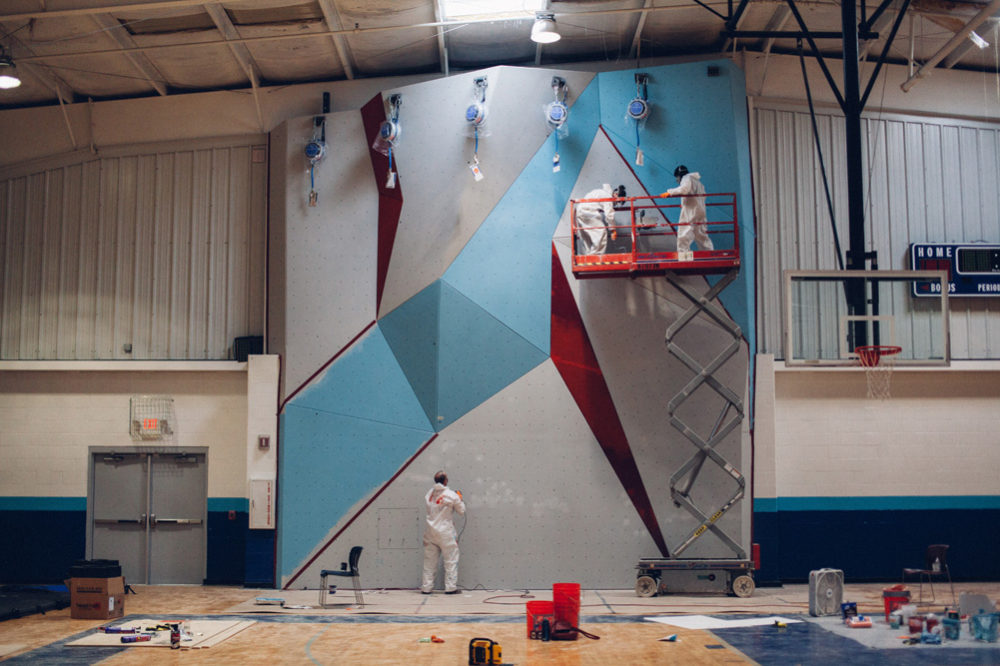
(711, 138)
(412, 332)
(506, 266)
(329, 463)
(366, 383)
(478, 354)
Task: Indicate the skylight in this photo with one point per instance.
(475, 9)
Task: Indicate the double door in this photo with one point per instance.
(148, 510)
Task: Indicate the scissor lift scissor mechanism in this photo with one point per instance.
(635, 259)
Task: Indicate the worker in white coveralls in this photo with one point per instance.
(692, 219)
(439, 535)
(593, 219)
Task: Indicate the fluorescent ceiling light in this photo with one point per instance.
(469, 9)
(978, 41)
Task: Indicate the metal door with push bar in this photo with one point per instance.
(147, 511)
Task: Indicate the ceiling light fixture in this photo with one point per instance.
(978, 41)
(8, 72)
(544, 31)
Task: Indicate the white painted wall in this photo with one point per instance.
(50, 418)
(822, 437)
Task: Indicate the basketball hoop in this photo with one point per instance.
(878, 361)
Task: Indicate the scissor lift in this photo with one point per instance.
(650, 249)
(646, 244)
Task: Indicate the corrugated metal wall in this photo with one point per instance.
(161, 248)
(926, 180)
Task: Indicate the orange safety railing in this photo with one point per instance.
(643, 238)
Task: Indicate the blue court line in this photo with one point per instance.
(604, 601)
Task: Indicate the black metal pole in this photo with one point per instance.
(855, 164)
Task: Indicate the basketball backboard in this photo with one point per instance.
(829, 314)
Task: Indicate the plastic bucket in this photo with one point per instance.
(538, 609)
(566, 602)
(894, 597)
(952, 628)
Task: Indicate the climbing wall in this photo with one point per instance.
(543, 397)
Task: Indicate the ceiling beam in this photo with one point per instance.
(62, 90)
(777, 21)
(111, 27)
(104, 9)
(955, 56)
(331, 14)
(160, 5)
(637, 35)
(312, 35)
(240, 53)
(925, 70)
(442, 46)
(180, 4)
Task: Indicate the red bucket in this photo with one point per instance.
(566, 600)
(893, 598)
(539, 610)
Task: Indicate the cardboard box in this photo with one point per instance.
(96, 598)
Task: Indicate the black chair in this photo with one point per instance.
(935, 565)
(348, 568)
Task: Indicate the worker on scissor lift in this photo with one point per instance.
(594, 217)
(692, 219)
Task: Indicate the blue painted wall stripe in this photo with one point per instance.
(228, 504)
(80, 504)
(878, 503)
(43, 503)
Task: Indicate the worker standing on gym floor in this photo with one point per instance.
(439, 535)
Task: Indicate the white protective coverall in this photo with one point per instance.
(440, 538)
(692, 220)
(593, 219)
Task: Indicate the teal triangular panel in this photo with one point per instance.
(412, 332)
(478, 356)
(366, 382)
(329, 462)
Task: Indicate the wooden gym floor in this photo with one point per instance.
(389, 628)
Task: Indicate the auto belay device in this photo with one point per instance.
(484, 651)
(556, 115)
(315, 150)
(638, 111)
(388, 137)
(475, 116)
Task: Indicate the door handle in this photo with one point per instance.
(120, 521)
(176, 521)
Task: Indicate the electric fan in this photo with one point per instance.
(826, 591)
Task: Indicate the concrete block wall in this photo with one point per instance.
(864, 485)
(49, 419)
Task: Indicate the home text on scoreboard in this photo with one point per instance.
(973, 269)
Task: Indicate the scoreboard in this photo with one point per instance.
(973, 269)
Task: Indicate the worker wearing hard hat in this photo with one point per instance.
(692, 219)
(440, 540)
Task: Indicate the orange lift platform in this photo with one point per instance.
(642, 239)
